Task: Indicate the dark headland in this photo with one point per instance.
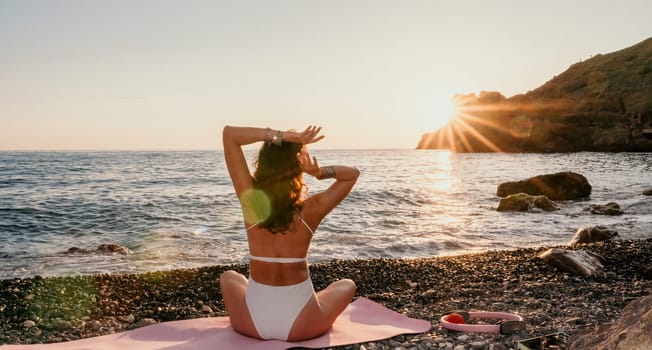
(603, 104)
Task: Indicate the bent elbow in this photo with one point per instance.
(356, 173)
(225, 130)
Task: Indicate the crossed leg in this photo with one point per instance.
(234, 287)
(316, 317)
(320, 312)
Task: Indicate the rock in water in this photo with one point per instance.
(559, 186)
(75, 250)
(577, 262)
(525, 202)
(611, 208)
(592, 234)
(113, 248)
(633, 331)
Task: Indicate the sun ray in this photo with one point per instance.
(492, 122)
(474, 132)
(460, 135)
(478, 120)
(490, 127)
(557, 104)
(450, 137)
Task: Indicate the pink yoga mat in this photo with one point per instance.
(362, 321)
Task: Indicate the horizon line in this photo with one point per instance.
(90, 150)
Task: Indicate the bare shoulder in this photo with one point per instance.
(310, 209)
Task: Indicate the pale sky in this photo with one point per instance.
(140, 75)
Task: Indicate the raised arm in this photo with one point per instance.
(345, 178)
(234, 137)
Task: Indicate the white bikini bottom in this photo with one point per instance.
(273, 309)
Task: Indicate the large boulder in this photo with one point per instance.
(632, 331)
(525, 202)
(592, 234)
(577, 262)
(558, 186)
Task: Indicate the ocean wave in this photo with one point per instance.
(158, 218)
(157, 204)
(16, 182)
(387, 197)
(29, 211)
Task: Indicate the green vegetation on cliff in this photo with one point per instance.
(601, 104)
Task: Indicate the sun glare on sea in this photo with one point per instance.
(441, 179)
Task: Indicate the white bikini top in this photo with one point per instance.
(281, 260)
(277, 260)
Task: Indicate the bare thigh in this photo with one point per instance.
(234, 288)
(319, 313)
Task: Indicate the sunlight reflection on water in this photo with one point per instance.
(178, 209)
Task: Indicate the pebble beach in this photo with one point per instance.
(56, 309)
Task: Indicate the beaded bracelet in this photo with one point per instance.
(278, 138)
(326, 172)
(271, 138)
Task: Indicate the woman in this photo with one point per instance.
(277, 301)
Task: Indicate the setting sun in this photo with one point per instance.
(442, 113)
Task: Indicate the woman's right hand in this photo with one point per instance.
(308, 165)
(310, 135)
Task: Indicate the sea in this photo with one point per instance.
(177, 209)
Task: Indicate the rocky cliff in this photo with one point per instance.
(601, 104)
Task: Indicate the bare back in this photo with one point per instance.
(293, 243)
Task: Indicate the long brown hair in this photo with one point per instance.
(278, 174)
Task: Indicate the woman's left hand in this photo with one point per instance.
(310, 135)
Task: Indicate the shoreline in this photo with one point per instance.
(54, 309)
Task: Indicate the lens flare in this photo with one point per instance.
(521, 127)
(256, 206)
(200, 231)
